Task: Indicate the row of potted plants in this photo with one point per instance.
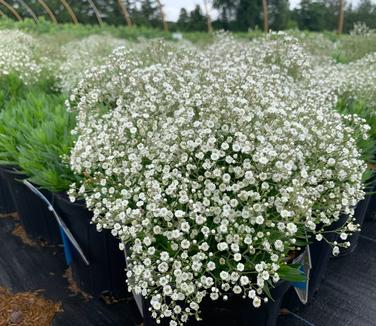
(37, 150)
(34, 140)
(213, 170)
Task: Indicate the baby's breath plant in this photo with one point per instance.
(354, 85)
(212, 169)
(360, 42)
(17, 56)
(79, 55)
(348, 104)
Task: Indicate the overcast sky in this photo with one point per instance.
(172, 7)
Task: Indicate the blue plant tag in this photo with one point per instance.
(302, 288)
(303, 284)
(67, 247)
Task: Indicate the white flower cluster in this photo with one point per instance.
(80, 55)
(17, 56)
(361, 29)
(278, 50)
(318, 47)
(357, 78)
(209, 165)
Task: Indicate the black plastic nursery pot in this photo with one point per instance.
(371, 210)
(360, 215)
(321, 252)
(38, 222)
(7, 204)
(106, 269)
(236, 311)
(370, 214)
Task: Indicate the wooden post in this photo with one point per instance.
(165, 25)
(29, 10)
(266, 15)
(11, 9)
(341, 16)
(2, 14)
(210, 26)
(124, 9)
(70, 11)
(48, 10)
(96, 11)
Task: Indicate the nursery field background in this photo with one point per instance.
(77, 102)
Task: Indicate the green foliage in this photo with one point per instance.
(279, 14)
(365, 12)
(56, 35)
(316, 15)
(195, 20)
(350, 48)
(11, 88)
(43, 155)
(35, 135)
(291, 273)
(68, 31)
(235, 15)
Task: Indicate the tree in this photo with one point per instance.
(279, 14)
(249, 15)
(208, 18)
(265, 10)
(366, 12)
(227, 9)
(148, 15)
(183, 20)
(197, 20)
(317, 15)
(341, 16)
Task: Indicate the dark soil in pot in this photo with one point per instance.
(106, 272)
(236, 311)
(38, 221)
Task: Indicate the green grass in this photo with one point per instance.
(63, 33)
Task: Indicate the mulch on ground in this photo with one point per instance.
(20, 233)
(26, 309)
(72, 285)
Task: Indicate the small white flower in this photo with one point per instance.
(224, 275)
(256, 302)
(319, 237)
(240, 267)
(335, 251)
(259, 220)
(211, 266)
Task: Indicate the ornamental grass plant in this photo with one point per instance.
(43, 155)
(11, 90)
(212, 166)
(35, 134)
